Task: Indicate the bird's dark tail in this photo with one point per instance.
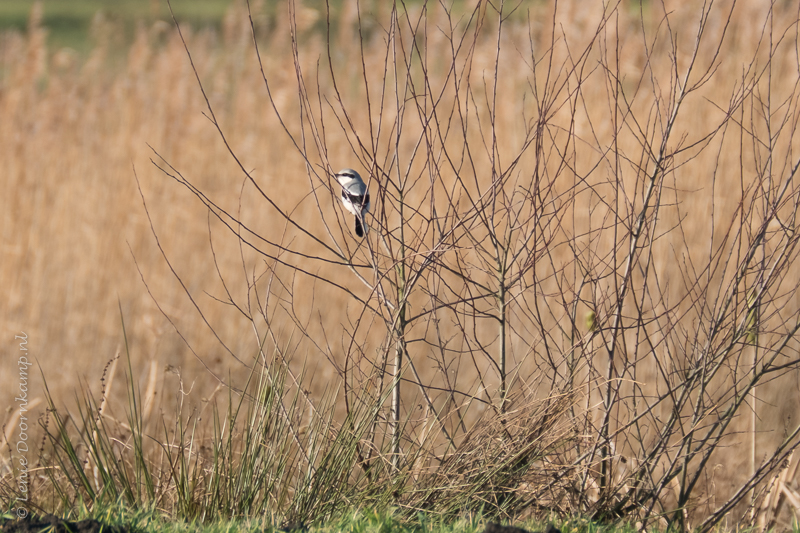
(359, 228)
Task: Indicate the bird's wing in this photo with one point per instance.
(357, 200)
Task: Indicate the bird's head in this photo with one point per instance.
(347, 176)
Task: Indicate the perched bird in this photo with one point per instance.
(355, 196)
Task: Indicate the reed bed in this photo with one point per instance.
(577, 295)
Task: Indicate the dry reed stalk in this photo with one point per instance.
(107, 381)
(150, 393)
(777, 494)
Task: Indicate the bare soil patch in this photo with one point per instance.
(57, 525)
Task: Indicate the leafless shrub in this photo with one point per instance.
(592, 240)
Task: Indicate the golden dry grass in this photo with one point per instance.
(73, 132)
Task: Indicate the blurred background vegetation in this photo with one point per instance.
(69, 22)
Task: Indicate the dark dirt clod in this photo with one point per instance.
(294, 527)
(491, 527)
(57, 525)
